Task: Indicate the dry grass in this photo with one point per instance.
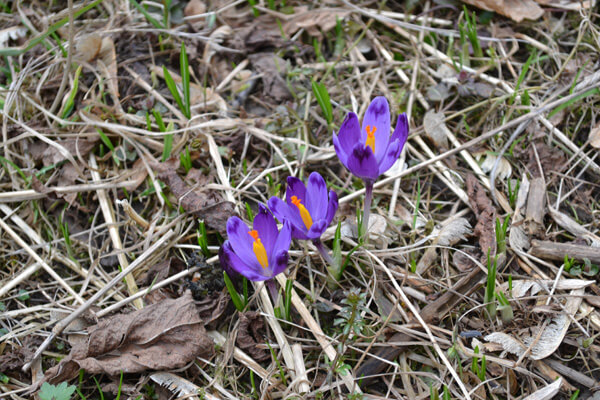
(84, 217)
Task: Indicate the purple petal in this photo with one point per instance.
(317, 229)
(252, 272)
(378, 116)
(362, 163)
(299, 233)
(240, 240)
(295, 187)
(265, 225)
(342, 155)
(332, 207)
(225, 262)
(394, 151)
(282, 245)
(280, 263)
(316, 196)
(349, 133)
(284, 212)
(401, 131)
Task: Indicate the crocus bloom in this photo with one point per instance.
(370, 151)
(309, 209)
(259, 253)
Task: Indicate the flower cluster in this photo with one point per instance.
(261, 253)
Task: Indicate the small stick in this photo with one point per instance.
(557, 251)
(301, 377)
(109, 218)
(39, 260)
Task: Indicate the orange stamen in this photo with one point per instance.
(259, 249)
(304, 214)
(371, 137)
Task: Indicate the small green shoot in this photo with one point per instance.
(322, 95)
(186, 159)
(506, 311)
(446, 395)
(471, 32)
(185, 80)
(501, 229)
(522, 75)
(240, 302)
(61, 391)
(417, 203)
(249, 212)
(279, 367)
(70, 103)
(490, 288)
(202, 239)
(512, 193)
(254, 9)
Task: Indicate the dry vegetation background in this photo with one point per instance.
(104, 179)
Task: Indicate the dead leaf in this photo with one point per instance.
(504, 170)
(522, 288)
(108, 57)
(195, 7)
(452, 232)
(16, 356)
(251, 323)
(517, 10)
(436, 128)
(161, 271)
(486, 217)
(314, 21)
(548, 392)
(205, 204)
(272, 69)
(76, 147)
(165, 335)
(88, 47)
(179, 386)
(595, 136)
(14, 33)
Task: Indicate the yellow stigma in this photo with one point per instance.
(371, 137)
(306, 218)
(259, 249)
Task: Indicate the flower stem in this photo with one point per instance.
(367, 210)
(324, 252)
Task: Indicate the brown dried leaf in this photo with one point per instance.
(272, 69)
(314, 21)
(195, 7)
(15, 358)
(108, 57)
(595, 136)
(88, 47)
(517, 10)
(486, 216)
(76, 147)
(205, 204)
(161, 271)
(436, 128)
(249, 336)
(165, 335)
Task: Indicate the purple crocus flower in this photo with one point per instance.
(309, 209)
(370, 151)
(259, 253)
